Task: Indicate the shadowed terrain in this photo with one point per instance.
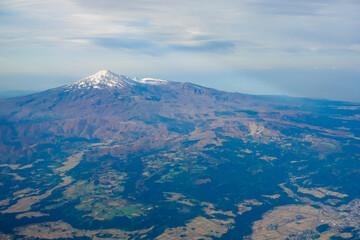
(110, 157)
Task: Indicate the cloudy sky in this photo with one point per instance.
(305, 48)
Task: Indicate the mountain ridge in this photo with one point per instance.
(164, 159)
(96, 112)
(93, 81)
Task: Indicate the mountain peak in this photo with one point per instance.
(104, 73)
(102, 79)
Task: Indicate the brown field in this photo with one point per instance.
(24, 204)
(71, 162)
(209, 209)
(286, 220)
(59, 229)
(198, 228)
(321, 192)
(275, 196)
(31, 214)
(247, 205)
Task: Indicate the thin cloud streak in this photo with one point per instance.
(208, 46)
(299, 23)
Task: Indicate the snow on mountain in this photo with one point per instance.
(106, 79)
(152, 81)
(102, 79)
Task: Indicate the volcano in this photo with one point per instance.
(110, 156)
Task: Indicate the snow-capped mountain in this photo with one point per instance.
(107, 79)
(114, 156)
(109, 94)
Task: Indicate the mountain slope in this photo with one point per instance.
(156, 158)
